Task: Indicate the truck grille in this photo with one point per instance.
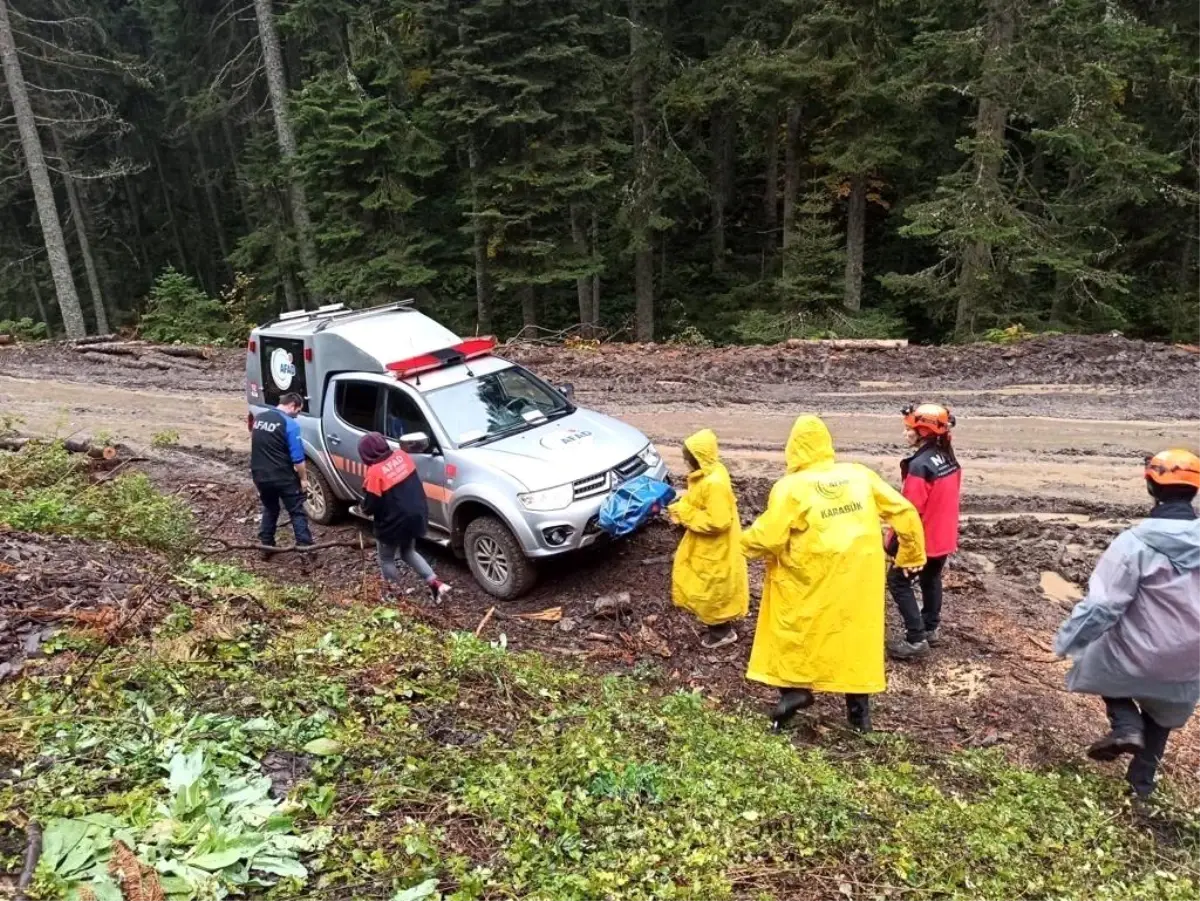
(602, 482)
(591, 486)
(634, 466)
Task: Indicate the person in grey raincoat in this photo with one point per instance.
(1135, 638)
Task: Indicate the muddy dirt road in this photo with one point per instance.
(1059, 422)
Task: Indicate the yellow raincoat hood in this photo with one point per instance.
(703, 446)
(809, 444)
(709, 577)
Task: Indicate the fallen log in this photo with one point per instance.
(173, 362)
(196, 353)
(75, 446)
(129, 362)
(849, 343)
(116, 350)
(95, 339)
(5, 339)
(267, 549)
(33, 853)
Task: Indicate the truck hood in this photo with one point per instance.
(582, 444)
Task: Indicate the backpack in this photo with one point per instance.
(629, 507)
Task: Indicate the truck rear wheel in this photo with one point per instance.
(496, 559)
(322, 505)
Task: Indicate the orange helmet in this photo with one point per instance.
(1174, 467)
(928, 419)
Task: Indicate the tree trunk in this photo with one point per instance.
(169, 209)
(791, 175)
(41, 304)
(277, 85)
(135, 212)
(529, 317)
(39, 176)
(643, 262)
(201, 249)
(81, 235)
(856, 221)
(720, 179)
(483, 282)
(291, 291)
(990, 120)
(1187, 262)
(771, 180)
(595, 314)
(583, 288)
(210, 196)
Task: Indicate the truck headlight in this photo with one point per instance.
(650, 456)
(548, 498)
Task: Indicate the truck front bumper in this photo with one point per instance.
(570, 529)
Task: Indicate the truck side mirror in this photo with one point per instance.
(415, 443)
(567, 390)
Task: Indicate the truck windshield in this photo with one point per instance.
(491, 406)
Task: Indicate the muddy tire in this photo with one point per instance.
(496, 559)
(322, 505)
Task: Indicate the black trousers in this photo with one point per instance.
(924, 618)
(292, 499)
(1126, 717)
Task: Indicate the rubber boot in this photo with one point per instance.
(1116, 743)
(858, 712)
(791, 701)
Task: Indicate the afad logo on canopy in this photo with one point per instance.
(283, 368)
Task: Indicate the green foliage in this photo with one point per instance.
(762, 327)
(445, 763)
(179, 311)
(42, 489)
(1014, 334)
(215, 831)
(24, 329)
(165, 438)
(1029, 162)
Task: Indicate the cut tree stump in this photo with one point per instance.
(5, 340)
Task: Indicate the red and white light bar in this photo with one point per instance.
(440, 359)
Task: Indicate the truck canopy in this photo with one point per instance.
(299, 351)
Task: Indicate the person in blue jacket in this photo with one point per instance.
(278, 468)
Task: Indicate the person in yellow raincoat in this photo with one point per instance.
(821, 623)
(709, 577)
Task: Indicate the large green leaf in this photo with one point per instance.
(279, 866)
(323, 747)
(427, 889)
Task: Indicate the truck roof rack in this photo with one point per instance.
(323, 315)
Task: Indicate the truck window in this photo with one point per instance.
(357, 404)
(404, 416)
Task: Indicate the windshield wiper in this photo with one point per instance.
(514, 429)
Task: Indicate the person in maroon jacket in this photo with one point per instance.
(932, 482)
(394, 498)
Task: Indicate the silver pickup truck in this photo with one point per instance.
(512, 469)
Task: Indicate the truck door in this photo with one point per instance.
(352, 407)
(403, 416)
(283, 369)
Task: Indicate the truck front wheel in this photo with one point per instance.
(496, 559)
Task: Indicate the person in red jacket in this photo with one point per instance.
(394, 498)
(932, 482)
